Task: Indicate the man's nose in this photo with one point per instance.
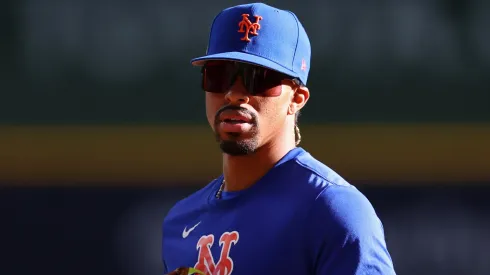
(237, 94)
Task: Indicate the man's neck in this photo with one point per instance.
(241, 172)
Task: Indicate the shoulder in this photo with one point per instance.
(335, 200)
(345, 234)
(342, 225)
(318, 171)
(311, 176)
(346, 210)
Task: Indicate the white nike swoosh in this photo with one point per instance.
(186, 232)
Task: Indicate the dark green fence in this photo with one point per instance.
(101, 62)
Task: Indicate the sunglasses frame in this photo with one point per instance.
(239, 71)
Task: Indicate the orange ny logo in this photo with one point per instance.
(247, 27)
(205, 262)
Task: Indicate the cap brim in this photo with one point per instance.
(244, 57)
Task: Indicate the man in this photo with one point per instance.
(275, 209)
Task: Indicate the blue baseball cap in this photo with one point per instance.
(261, 35)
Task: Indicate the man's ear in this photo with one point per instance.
(299, 99)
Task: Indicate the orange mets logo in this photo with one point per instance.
(205, 261)
(246, 26)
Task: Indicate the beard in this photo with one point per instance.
(238, 147)
(235, 144)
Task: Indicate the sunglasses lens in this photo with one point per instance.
(217, 77)
(262, 81)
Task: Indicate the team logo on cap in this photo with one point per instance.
(246, 26)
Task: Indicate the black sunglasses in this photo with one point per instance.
(219, 76)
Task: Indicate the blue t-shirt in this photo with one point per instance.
(300, 218)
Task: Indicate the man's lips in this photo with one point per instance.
(235, 117)
(233, 121)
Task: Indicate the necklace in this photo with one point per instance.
(220, 190)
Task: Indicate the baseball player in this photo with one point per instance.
(275, 209)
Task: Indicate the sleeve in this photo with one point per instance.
(345, 236)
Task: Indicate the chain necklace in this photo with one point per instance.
(220, 191)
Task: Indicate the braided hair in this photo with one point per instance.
(297, 134)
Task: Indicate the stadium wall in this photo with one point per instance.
(375, 153)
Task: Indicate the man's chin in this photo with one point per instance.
(238, 147)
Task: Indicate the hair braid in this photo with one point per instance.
(297, 134)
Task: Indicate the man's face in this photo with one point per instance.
(244, 121)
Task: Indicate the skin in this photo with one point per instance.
(272, 134)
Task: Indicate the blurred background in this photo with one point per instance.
(102, 126)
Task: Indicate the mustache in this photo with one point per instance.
(234, 108)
